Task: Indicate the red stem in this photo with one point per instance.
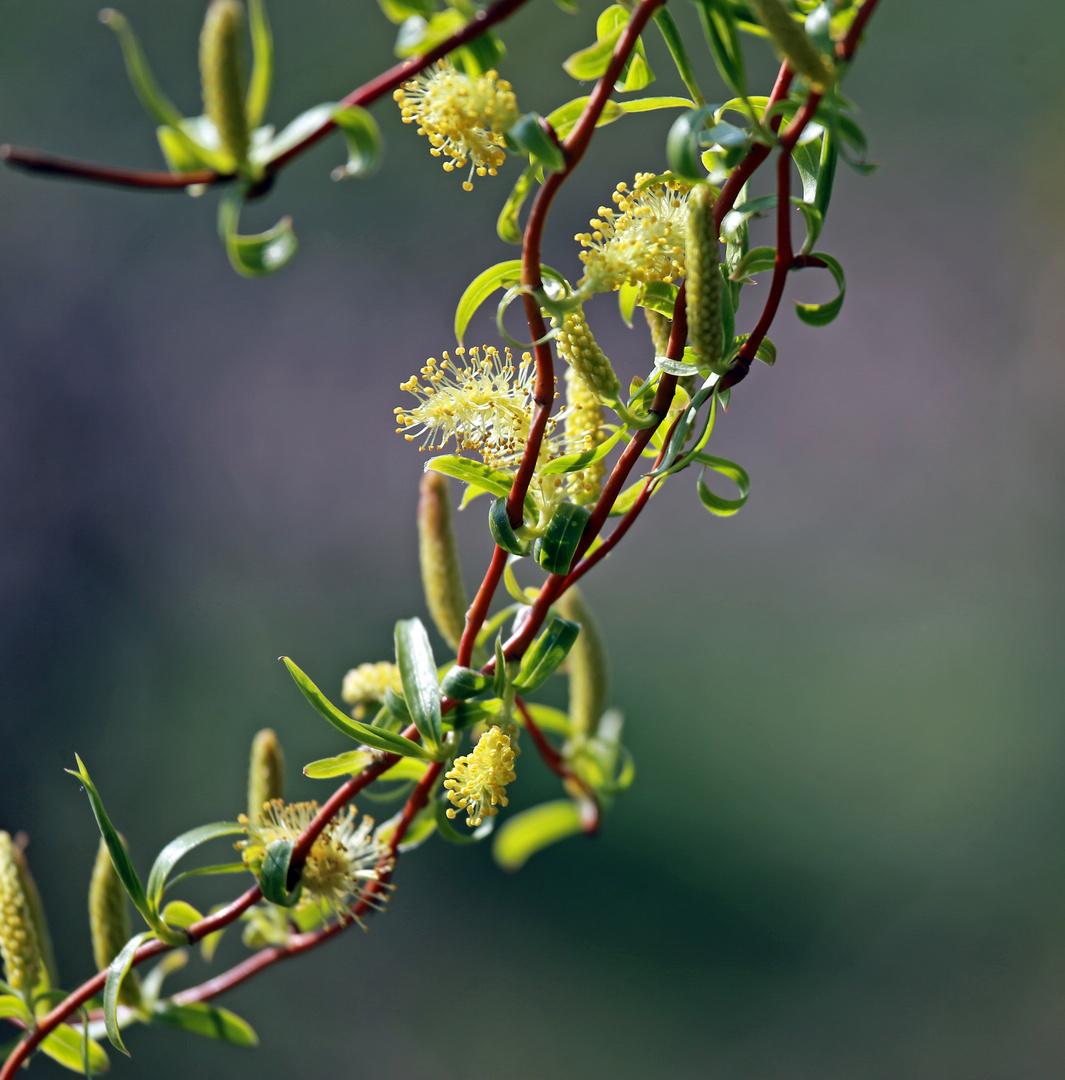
(846, 48)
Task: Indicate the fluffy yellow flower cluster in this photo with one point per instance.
(642, 241)
(477, 782)
(465, 117)
(342, 862)
(366, 685)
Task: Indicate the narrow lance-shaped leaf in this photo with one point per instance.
(208, 1020)
(823, 314)
(508, 225)
(346, 764)
(544, 656)
(417, 673)
(262, 71)
(363, 138)
(115, 974)
(70, 1048)
(119, 855)
(524, 834)
(168, 857)
(377, 737)
(260, 253)
(714, 503)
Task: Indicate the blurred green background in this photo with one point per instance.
(843, 853)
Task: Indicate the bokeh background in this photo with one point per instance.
(843, 856)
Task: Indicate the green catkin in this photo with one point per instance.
(790, 38)
(109, 921)
(703, 283)
(584, 431)
(660, 327)
(222, 74)
(19, 948)
(579, 349)
(587, 664)
(266, 772)
(438, 554)
(40, 923)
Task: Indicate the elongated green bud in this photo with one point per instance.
(584, 431)
(109, 920)
(40, 923)
(266, 772)
(587, 663)
(222, 74)
(790, 38)
(703, 283)
(438, 553)
(19, 948)
(579, 349)
(660, 328)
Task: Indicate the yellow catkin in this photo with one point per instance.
(40, 923)
(266, 772)
(579, 349)
(703, 284)
(109, 921)
(584, 431)
(438, 554)
(477, 782)
(19, 948)
(790, 38)
(222, 74)
(587, 665)
(367, 685)
(660, 328)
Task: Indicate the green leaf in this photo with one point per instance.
(399, 11)
(503, 532)
(406, 769)
(637, 74)
(756, 261)
(273, 877)
(714, 503)
(481, 54)
(173, 851)
(827, 173)
(152, 983)
(208, 871)
(568, 463)
(660, 296)
(462, 683)
(66, 1046)
(209, 1020)
(500, 276)
(627, 295)
(814, 221)
(508, 226)
(417, 673)
(738, 216)
(157, 104)
(565, 117)
(562, 536)
(119, 855)
(823, 314)
(685, 142)
(116, 973)
(178, 913)
(766, 351)
(494, 481)
(807, 158)
(624, 502)
(363, 137)
(722, 35)
(524, 834)
(180, 152)
(294, 132)
(529, 136)
(545, 655)
(12, 1005)
(419, 35)
(349, 763)
(262, 69)
(592, 62)
(258, 254)
(378, 738)
(675, 43)
(651, 104)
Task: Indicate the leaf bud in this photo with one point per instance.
(19, 947)
(579, 349)
(222, 75)
(266, 772)
(438, 555)
(703, 284)
(791, 39)
(109, 921)
(587, 664)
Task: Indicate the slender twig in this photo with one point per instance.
(54, 165)
(846, 48)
